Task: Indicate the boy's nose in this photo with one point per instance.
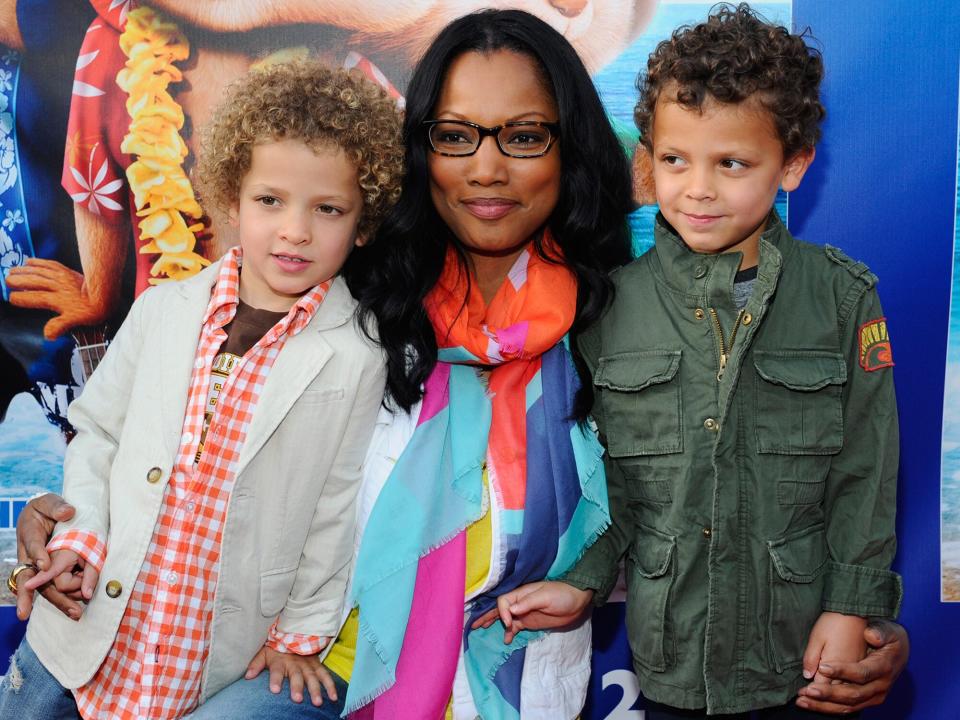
(700, 184)
(487, 166)
(296, 229)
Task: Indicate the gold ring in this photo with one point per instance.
(15, 573)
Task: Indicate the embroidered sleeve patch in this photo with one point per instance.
(875, 351)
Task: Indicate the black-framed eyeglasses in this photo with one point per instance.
(521, 139)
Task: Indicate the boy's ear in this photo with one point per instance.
(234, 215)
(361, 240)
(795, 168)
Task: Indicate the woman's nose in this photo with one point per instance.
(487, 165)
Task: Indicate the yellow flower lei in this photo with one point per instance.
(161, 189)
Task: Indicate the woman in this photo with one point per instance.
(488, 481)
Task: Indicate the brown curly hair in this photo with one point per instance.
(735, 55)
(309, 101)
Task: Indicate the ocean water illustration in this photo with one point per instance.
(950, 445)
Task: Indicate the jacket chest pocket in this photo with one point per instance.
(641, 402)
(799, 407)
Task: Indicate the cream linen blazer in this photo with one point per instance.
(288, 540)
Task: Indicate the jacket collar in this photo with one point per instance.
(703, 279)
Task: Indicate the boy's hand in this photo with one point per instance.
(68, 572)
(834, 638)
(301, 669)
(34, 528)
(549, 604)
(862, 684)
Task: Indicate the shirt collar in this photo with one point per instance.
(226, 294)
(709, 278)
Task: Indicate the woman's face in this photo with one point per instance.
(493, 203)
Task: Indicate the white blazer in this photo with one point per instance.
(287, 542)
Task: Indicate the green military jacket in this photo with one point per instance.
(752, 464)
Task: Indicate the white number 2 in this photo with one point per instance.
(627, 682)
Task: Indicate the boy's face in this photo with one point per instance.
(717, 172)
(297, 217)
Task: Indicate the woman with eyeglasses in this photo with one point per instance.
(511, 216)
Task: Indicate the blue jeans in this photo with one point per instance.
(252, 699)
(29, 690)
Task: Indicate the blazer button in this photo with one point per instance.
(711, 424)
(747, 318)
(114, 588)
(154, 474)
(699, 314)
(699, 271)
(707, 532)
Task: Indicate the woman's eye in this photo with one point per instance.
(527, 137)
(453, 138)
(328, 210)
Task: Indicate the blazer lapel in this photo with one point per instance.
(298, 364)
(180, 335)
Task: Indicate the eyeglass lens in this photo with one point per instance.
(453, 138)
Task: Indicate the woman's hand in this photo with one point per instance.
(859, 685)
(542, 605)
(300, 669)
(34, 528)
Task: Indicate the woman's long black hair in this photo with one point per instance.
(392, 274)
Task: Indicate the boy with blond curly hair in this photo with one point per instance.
(219, 443)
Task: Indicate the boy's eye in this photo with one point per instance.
(731, 164)
(674, 160)
(268, 200)
(328, 210)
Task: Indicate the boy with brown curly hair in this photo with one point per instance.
(219, 443)
(745, 397)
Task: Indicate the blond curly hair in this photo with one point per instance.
(309, 101)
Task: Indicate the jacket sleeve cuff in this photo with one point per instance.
(295, 643)
(596, 571)
(861, 590)
(84, 543)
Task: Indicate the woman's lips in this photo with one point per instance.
(489, 208)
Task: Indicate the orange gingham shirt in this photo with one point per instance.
(155, 666)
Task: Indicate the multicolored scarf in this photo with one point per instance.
(545, 478)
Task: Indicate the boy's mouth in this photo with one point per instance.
(290, 263)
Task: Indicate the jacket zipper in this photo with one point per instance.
(723, 349)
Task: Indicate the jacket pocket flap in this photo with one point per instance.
(804, 371)
(275, 586)
(630, 372)
(652, 552)
(800, 558)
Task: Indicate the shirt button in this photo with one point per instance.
(711, 424)
(172, 578)
(154, 474)
(699, 271)
(186, 438)
(198, 363)
(747, 318)
(190, 506)
(707, 532)
(114, 588)
(699, 314)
